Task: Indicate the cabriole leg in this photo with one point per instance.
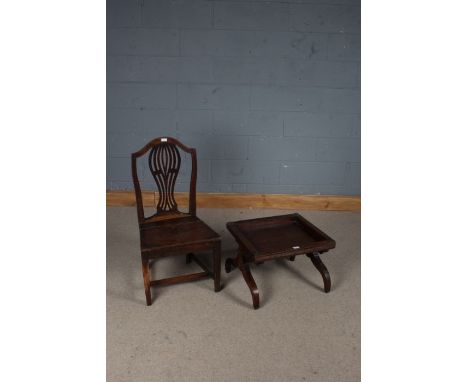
(322, 269)
(244, 268)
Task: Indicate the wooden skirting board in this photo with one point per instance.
(237, 200)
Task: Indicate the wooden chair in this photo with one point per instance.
(170, 232)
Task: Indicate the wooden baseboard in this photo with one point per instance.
(237, 200)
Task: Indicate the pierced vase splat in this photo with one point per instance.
(164, 163)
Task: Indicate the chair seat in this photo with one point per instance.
(173, 233)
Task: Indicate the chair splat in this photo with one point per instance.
(164, 163)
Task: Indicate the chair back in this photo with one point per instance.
(164, 164)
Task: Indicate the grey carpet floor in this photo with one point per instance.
(192, 334)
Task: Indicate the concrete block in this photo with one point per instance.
(359, 76)
(298, 124)
(247, 123)
(177, 14)
(353, 179)
(326, 189)
(216, 147)
(341, 2)
(124, 144)
(357, 127)
(120, 169)
(338, 149)
(216, 43)
(194, 122)
(310, 46)
(123, 13)
(316, 173)
(285, 98)
(345, 47)
(319, 73)
(133, 95)
(341, 100)
(159, 69)
(251, 16)
(121, 186)
(134, 41)
(325, 18)
(245, 171)
(241, 70)
(281, 148)
(240, 43)
(141, 121)
(118, 185)
(270, 100)
(201, 187)
(285, 71)
(338, 2)
(213, 97)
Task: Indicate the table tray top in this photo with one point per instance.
(283, 235)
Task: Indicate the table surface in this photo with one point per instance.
(276, 236)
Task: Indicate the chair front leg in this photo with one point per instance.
(217, 266)
(146, 280)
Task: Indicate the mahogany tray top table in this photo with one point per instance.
(277, 237)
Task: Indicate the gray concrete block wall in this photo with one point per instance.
(267, 91)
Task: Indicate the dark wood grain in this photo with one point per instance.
(146, 280)
(250, 281)
(217, 265)
(170, 232)
(164, 163)
(276, 237)
(180, 279)
(322, 269)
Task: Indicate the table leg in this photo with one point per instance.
(230, 264)
(322, 269)
(217, 266)
(245, 269)
(239, 262)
